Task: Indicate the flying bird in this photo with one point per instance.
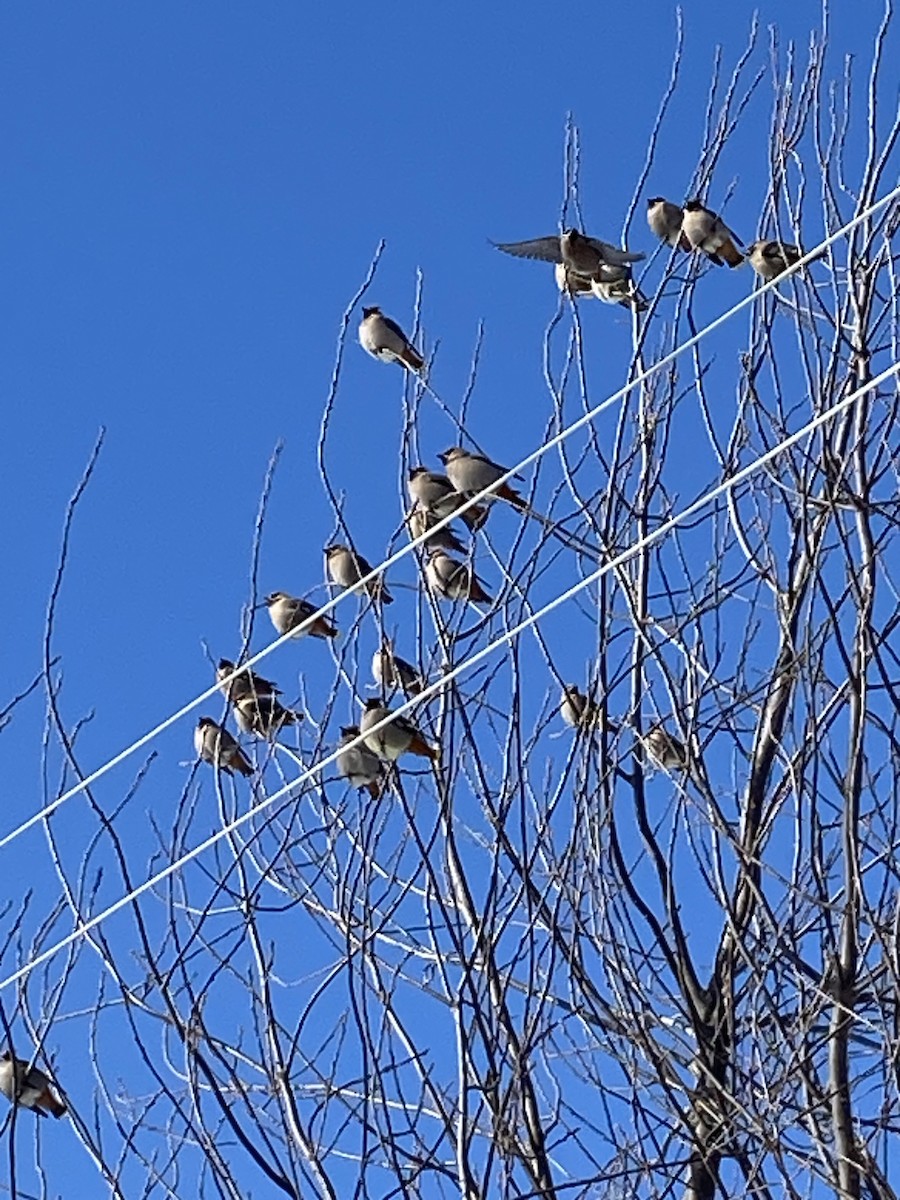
(359, 765)
(706, 231)
(346, 568)
(420, 520)
(384, 339)
(582, 255)
(264, 716)
(452, 580)
(247, 683)
(437, 494)
(31, 1088)
(398, 737)
(771, 259)
(621, 290)
(288, 612)
(390, 671)
(665, 220)
(216, 746)
(472, 473)
(577, 710)
(666, 750)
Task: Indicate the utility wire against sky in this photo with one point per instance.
(507, 636)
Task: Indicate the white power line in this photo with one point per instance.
(556, 440)
(507, 636)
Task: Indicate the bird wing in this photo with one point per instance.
(612, 254)
(544, 248)
(394, 327)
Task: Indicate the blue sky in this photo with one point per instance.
(191, 195)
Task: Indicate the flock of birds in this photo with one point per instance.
(584, 266)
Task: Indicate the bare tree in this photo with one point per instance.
(651, 951)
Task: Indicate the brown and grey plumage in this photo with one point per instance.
(420, 520)
(288, 612)
(216, 746)
(452, 580)
(581, 254)
(436, 493)
(771, 259)
(666, 750)
(359, 765)
(577, 710)
(247, 683)
(611, 285)
(400, 736)
(390, 671)
(263, 716)
(665, 220)
(383, 338)
(346, 568)
(706, 231)
(471, 473)
(31, 1088)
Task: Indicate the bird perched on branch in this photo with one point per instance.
(390, 671)
(666, 750)
(611, 285)
(247, 683)
(706, 231)
(216, 746)
(398, 737)
(437, 494)
(472, 473)
(384, 339)
(577, 710)
(420, 520)
(346, 568)
(359, 765)
(665, 220)
(29, 1087)
(452, 580)
(263, 716)
(581, 255)
(771, 259)
(288, 612)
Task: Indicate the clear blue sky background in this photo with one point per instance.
(190, 196)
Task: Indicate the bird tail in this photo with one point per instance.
(410, 357)
(729, 251)
(477, 594)
(241, 764)
(420, 747)
(323, 628)
(48, 1101)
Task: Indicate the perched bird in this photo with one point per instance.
(581, 254)
(666, 750)
(359, 765)
(664, 219)
(288, 612)
(706, 231)
(263, 716)
(418, 522)
(452, 580)
(216, 746)
(390, 671)
(471, 473)
(399, 737)
(771, 259)
(346, 568)
(437, 494)
(31, 1088)
(248, 683)
(384, 339)
(577, 710)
